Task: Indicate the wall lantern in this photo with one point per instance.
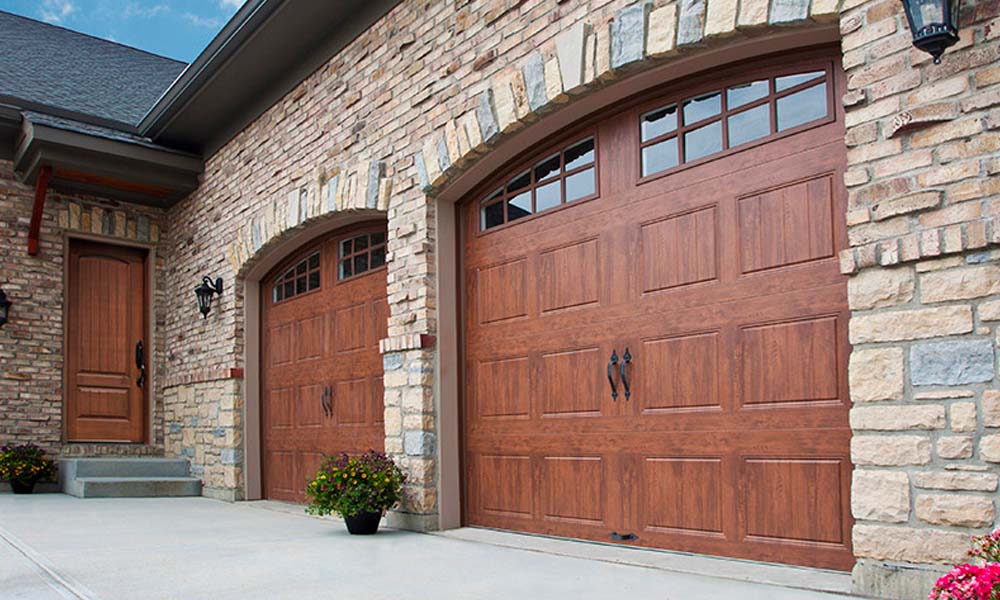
(205, 291)
(934, 24)
(4, 308)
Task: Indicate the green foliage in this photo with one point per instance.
(25, 464)
(349, 485)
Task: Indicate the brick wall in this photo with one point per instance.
(31, 344)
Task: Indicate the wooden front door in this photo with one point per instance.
(656, 327)
(324, 312)
(105, 322)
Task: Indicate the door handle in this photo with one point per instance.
(328, 401)
(140, 363)
(611, 374)
(626, 359)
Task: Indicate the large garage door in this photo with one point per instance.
(656, 328)
(323, 313)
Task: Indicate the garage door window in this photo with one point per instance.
(559, 178)
(360, 254)
(702, 126)
(302, 278)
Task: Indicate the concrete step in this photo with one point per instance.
(125, 467)
(133, 487)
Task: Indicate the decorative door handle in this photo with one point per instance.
(611, 374)
(326, 401)
(626, 359)
(140, 363)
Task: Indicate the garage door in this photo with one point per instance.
(656, 328)
(323, 313)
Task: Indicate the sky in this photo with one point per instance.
(178, 29)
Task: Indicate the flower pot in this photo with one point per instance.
(21, 487)
(365, 523)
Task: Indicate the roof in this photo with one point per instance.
(44, 67)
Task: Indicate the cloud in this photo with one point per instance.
(56, 11)
(199, 21)
(232, 4)
(134, 9)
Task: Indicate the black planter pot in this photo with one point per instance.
(20, 487)
(365, 523)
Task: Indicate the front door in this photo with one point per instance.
(105, 324)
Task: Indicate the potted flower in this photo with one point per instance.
(979, 580)
(24, 466)
(358, 488)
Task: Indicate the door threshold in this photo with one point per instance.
(788, 576)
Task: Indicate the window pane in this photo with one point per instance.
(300, 285)
(802, 107)
(548, 195)
(361, 243)
(659, 157)
(580, 185)
(580, 154)
(276, 293)
(289, 289)
(702, 107)
(749, 125)
(345, 248)
(378, 239)
(345, 269)
(790, 81)
(289, 274)
(300, 268)
(519, 183)
(314, 280)
(659, 122)
(703, 141)
(378, 257)
(519, 206)
(360, 264)
(547, 168)
(492, 215)
(314, 261)
(745, 93)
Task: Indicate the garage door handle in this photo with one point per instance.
(611, 374)
(324, 401)
(626, 359)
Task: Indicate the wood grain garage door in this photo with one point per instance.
(692, 239)
(323, 313)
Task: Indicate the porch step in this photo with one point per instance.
(127, 477)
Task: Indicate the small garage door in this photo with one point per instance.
(656, 328)
(323, 313)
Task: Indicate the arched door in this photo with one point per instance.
(656, 326)
(323, 313)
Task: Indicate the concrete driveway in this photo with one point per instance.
(55, 547)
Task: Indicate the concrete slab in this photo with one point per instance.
(191, 548)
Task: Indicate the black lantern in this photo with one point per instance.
(205, 291)
(934, 24)
(4, 308)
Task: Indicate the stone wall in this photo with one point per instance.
(924, 215)
(31, 344)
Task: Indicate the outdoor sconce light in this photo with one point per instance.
(205, 291)
(934, 24)
(4, 307)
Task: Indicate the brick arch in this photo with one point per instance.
(584, 58)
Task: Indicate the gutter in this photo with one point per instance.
(182, 92)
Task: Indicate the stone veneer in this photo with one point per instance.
(31, 343)
(392, 120)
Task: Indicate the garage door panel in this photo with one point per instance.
(682, 495)
(572, 383)
(350, 402)
(681, 372)
(281, 408)
(574, 489)
(503, 388)
(310, 339)
(786, 225)
(309, 406)
(794, 499)
(679, 250)
(505, 485)
(502, 290)
(791, 361)
(570, 276)
(280, 344)
(350, 328)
